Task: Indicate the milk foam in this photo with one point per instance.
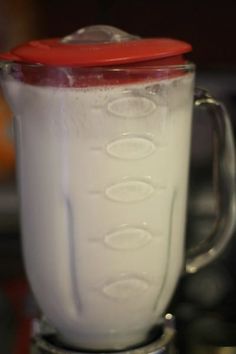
(103, 181)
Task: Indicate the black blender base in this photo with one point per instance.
(44, 343)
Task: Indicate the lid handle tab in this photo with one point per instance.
(98, 34)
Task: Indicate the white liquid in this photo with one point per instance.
(103, 181)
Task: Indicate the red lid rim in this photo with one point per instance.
(53, 52)
(185, 65)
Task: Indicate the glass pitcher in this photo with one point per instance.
(103, 130)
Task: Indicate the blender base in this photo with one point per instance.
(43, 343)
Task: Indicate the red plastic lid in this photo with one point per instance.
(99, 46)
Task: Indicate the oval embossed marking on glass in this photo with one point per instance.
(131, 107)
(131, 147)
(125, 289)
(129, 191)
(128, 238)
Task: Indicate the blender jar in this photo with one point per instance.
(103, 129)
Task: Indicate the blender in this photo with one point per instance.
(103, 130)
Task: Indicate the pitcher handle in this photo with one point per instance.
(224, 180)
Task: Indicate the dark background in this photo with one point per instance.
(205, 303)
(208, 25)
